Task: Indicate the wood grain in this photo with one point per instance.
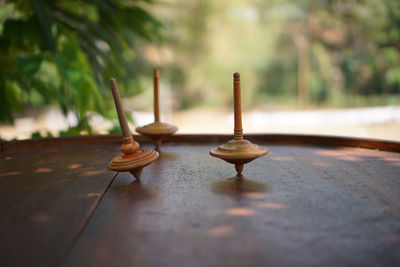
(302, 206)
(46, 197)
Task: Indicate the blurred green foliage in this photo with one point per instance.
(64, 52)
(300, 53)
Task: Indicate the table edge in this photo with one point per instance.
(281, 139)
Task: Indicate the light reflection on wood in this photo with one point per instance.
(43, 170)
(220, 231)
(244, 212)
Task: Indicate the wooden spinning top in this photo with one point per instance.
(133, 159)
(238, 151)
(157, 130)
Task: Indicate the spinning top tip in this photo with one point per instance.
(137, 173)
(239, 168)
(236, 75)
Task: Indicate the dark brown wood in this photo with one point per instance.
(283, 139)
(46, 198)
(300, 206)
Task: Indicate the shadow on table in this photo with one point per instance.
(238, 186)
(131, 191)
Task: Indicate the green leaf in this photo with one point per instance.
(65, 52)
(83, 97)
(23, 34)
(42, 89)
(45, 20)
(10, 103)
(36, 135)
(28, 65)
(393, 76)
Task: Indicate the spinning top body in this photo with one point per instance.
(133, 159)
(238, 151)
(157, 130)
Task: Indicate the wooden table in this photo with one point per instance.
(313, 201)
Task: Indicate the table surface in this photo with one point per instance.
(299, 205)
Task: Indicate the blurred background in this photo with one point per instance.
(328, 67)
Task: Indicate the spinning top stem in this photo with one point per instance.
(156, 102)
(121, 115)
(237, 104)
